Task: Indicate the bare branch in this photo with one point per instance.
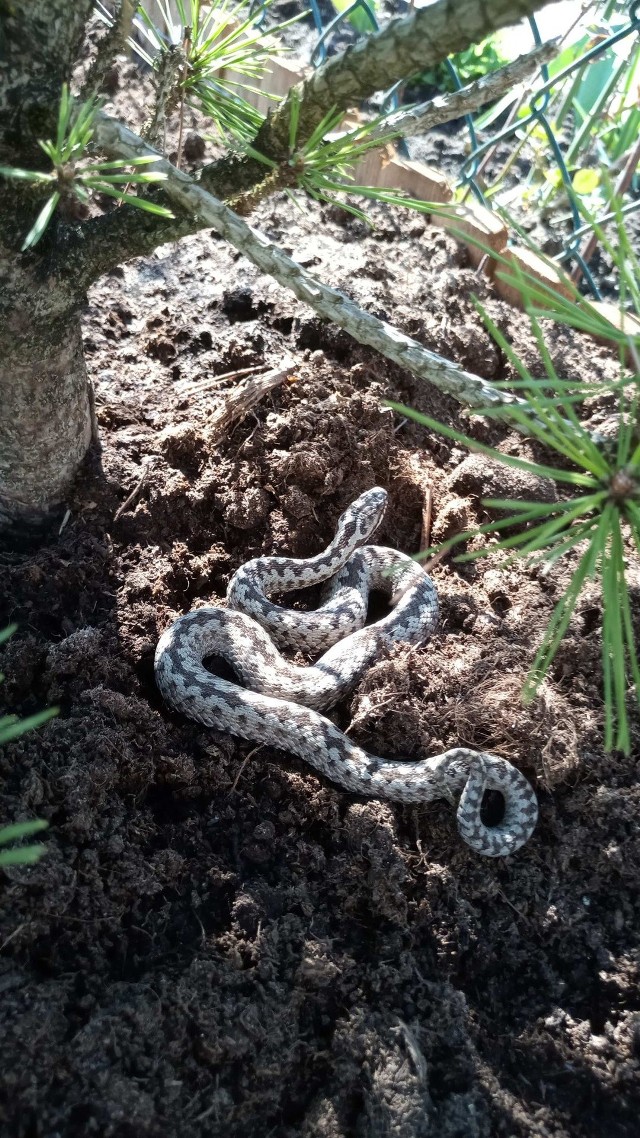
(169, 68)
(444, 108)
(86, 252)
(238, 403)
(471, 390)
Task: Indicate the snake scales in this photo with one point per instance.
(279, 702)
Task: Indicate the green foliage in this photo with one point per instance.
(596, 520)
(322, 166)
(472, 63)
(222, 48)
(361, 14)
(10, 728)
(602, 97)
(22, 855)
(68, 179)
(592, 111)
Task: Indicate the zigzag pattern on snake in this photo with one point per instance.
(280, 702)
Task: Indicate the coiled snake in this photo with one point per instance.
(278, 704)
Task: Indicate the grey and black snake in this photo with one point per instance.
(280, 702)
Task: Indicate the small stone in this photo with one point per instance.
(111, 81)
(298, 504)
(256, 852)
(246, 914)
(180, 443)
(485, 477)
(247, 508)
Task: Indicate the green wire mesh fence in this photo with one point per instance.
(583, 111)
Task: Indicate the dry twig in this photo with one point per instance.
(427, 511)
(132, 496)
(243, 398)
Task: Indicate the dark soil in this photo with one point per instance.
(217, 942)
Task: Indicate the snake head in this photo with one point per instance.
(363, 516)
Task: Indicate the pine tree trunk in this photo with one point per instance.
(45, 418)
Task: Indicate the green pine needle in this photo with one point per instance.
(219, 40)
(593, 525)
(539, 469)
(41, 222)
(69, 179)
(11, 728)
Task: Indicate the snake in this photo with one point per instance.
(280, 703)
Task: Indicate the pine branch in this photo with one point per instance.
(86, 252)
(401, 48)
(471, 390)
(444, 108)
(111, 44)
(166, 79)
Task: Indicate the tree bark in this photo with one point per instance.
(40, 41)
(45, 414)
